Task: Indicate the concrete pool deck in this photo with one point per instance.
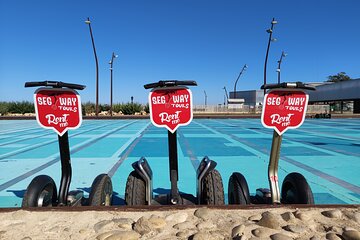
(325, 151)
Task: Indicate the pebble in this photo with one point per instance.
(279, 236)
(184, 225)
(178, 217)
(238, 231)
(123, 223)
(351, 235)
(205, 225)
(332, 236)
(269, 220)
(288, 216)
(262, 232)
(157, 222)
(356, 217)
(186, 233)
(142, 226)
(302, 216)
(201, 236)
(255, 218)
(295, 228)
(336, 213)
(315, 238)
(203, 213)
(98, 226)
(26, 238)
(118, 235)
(124, 235)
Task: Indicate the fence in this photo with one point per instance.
(246, 109)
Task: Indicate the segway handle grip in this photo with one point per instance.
(55, 84)
(298, 85)
(170, 83)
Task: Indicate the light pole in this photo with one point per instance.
(97, 68)
(113, 56)
(273, 22)
(283, 54)
(226, 95)
(205, 98)
(242, 70)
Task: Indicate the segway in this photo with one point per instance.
(170, 104)
(58, 107)
(284, 107)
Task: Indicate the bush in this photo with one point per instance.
(117, 107)
(131, 108)
(88, 108)
(16, 107)
(147, 108)
(104, 107)
(4, 108)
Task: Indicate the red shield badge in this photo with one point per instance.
(284, 109)
(58, 109)
(170, 107)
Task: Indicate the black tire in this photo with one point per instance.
(41, 192)
(238, 190)
(135, 190)
(296, 190)
(212, 189)
(101, 191)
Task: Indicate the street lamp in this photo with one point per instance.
(283, 54)
(226, 95)
(205, 98)
(113, 56)
(273, 22)
(243, 69)
(97, 68)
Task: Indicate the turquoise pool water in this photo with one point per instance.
(325, 151)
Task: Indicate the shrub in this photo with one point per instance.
(146, 108)
(131, 108)
(21, 107)
(4, 108)
(88, 107)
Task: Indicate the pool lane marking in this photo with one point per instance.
(32, 135)
(322, 148)
(73, 150)
(129, 146)
(24, 129)
(183, 140)
(31, 147)
(340, 182)
(260, 154)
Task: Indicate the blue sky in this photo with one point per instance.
(203, 40)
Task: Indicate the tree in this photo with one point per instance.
(341, 76)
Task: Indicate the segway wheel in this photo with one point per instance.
(101, 191)
(296, 190)
(212, 189)
(238, 190)
(41, 192)
(135, 190)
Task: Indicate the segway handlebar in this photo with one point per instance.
(55, 84)
(170, 83)
(299, 85)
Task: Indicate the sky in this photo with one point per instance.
(208, 41)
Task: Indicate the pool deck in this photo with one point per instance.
(325, 151)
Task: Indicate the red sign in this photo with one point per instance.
(58, 109)
(170, 107)
(284, 109)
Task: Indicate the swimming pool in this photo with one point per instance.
(325, 151)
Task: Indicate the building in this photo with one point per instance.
(326, 93)
(251, 98)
